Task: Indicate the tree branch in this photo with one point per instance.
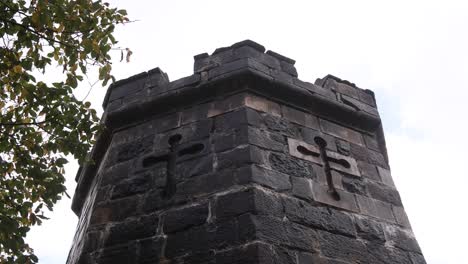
(42, 36)
(24, 124)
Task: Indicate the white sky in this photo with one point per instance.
(412, 54)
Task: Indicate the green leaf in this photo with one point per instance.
(123, 12)
(78, 35)
(61, 161)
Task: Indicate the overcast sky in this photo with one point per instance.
(412, 54)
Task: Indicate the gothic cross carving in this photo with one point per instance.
(320, 155)
(171, 158)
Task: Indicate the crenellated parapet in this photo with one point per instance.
(142, 92)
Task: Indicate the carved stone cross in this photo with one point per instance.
(329, 160)
(171, 158)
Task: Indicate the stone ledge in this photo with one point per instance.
(244, 77)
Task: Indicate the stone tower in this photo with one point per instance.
(240, 162)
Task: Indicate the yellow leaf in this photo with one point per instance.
(28, 144)
(60, 28)
(35, 18)
(24, 92)
(18, 69)
(10, 168)
(95, 46)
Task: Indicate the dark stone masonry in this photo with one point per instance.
(241, 162)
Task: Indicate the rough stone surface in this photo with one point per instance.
(239, 163)
(370, 230)
(341, 132)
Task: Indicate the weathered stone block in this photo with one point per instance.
(342, 87)
(358, 105)
(281, 76)
(369, 230)
(301, 187)
(256, 252)
(403, 239)
(369, 171)
(359, 152)
(347, 200)
(228, 104)
(300, 117)
(352, 185)
(129, 86)
(291, 166)
(263, 105)
(304, 151)
(136, 184)
(230, 140)
(371, 142)
(195, 167)
(315, 89)
(367, 96)
(400, 216)
(417, 258)
(189, 134)
(267, 178)
(264, 140)
(201, 257)
(386, 176)
(284, 127)
(91, 241)
(275, 231)
(318, 217)
(249, 253)
(237, 65)
(231, 121)
(103, 194)
(385, 254)
(307, 258)
(375, 208)
(343, 147)
(249, 43)
(125, 254)
(343, 248)
(384, 193)
(248, 201)
(322, 177)
(179, 83)
(206, 184)
(200, 238)
(377, 158)
(267, 229)
(341, 132)
(151, 250)
(281, 57)
(302, 237)
(309, 136)
(130, 230)
(289, 68)
(116, 210)
(184, 218)
(343, 163)
(134, 149)
(240, 156)
(194, 114)
(166, 122)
